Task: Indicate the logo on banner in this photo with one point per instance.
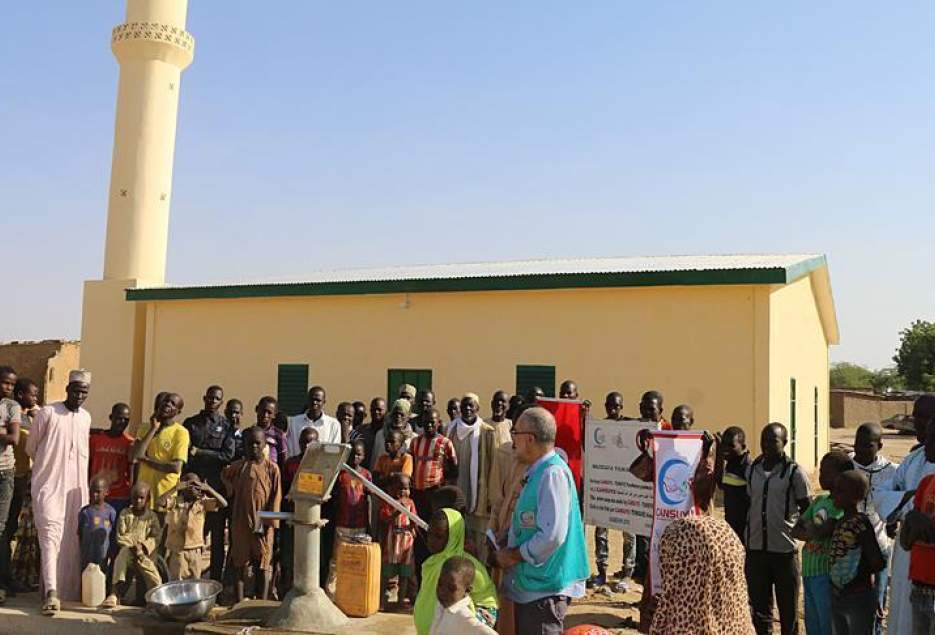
(674, 482)
(599, 437)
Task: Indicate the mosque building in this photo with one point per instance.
(744, 339)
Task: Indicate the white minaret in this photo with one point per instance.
(153, 48)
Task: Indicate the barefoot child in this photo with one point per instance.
(397, 539)
(815, 527)
(138, 534)
(256, 482)
(455, 614)
(96, 523)
(185, 506)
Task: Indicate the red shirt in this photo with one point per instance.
(922, 557)
(109, 458)
(289, 471)
(429, 456)
(353, 509)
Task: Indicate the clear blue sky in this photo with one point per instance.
(335, 134)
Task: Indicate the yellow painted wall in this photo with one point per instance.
(798, 349)
(111, 347)
(698, 345)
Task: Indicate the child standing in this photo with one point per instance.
(109, 456)
(395, 460)
(815, 527)
(256, 482)
(276, 445)
(730, 473)
(868, 441)
(185, 506)
(454, 614)
(138, 534)
(433, 457)
(96, 522)
(353, 508)
(397, 539)
(855, 558)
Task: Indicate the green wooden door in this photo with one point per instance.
(292, 388)
(421, 378)
(792, 414)
(529, 376)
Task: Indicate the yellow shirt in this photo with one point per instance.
(169, 444)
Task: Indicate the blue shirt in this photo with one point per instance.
(95, 528)
(553, 501)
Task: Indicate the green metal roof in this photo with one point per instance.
(512, 276)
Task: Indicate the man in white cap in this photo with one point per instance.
(58, 444)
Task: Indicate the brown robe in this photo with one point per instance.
(255, 487)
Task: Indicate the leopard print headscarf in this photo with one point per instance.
(704, 590)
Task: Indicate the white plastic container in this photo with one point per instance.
(93, 586)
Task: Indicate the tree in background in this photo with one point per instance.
(856, 377)
(853, 376)
(915, 359)
(887, 379)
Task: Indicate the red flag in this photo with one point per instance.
(568, 434)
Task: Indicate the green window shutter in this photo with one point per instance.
(817, 457)
(292, 388)
(792, 416)
(529, 376)
(421, 378)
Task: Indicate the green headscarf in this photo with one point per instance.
(402, 405)
(484, 593)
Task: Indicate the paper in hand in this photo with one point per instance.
(492, 537)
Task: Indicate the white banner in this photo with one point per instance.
(676, 458)
(613, 497)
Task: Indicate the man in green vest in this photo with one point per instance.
(546, 562)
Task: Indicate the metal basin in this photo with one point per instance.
(183, 600)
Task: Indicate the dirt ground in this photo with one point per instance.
(618, 612)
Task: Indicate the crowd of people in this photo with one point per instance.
(505, 547)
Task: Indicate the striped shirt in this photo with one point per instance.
(430, 455)
(816, 553)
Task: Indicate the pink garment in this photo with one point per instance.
(58, 443)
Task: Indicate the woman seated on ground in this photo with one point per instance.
(703, 586)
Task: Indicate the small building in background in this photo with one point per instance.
(850, 408)
(46, 362)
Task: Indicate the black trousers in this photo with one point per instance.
(423, 502)
(215, 523)
(542, 617)
(768, 572)
(20, 490)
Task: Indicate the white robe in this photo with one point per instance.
(886, 499)
(58, 444)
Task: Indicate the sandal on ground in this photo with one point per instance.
(110, 602)
(51, 607)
